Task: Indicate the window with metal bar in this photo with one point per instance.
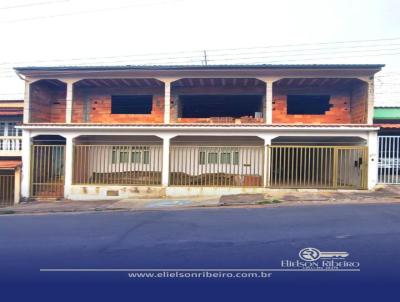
(213, 158)
(225, 157)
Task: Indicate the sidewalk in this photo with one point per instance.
(385, 194)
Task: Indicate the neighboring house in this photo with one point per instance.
(388, 118)
(129, 131)
(10, 151)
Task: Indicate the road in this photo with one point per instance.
(221, 238)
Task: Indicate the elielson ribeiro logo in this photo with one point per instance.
(313, 254)
(313, 259)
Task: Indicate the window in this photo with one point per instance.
(236, 158)
(124, 157)
(213, 158)
(131, 104)
(202, 157)
(308, 104)
(8, 129)
(114, 155)
(136, 157)
(205, 106)
(146, 157)
(225, 158)
(12, 131)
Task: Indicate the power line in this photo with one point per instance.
(106, 9)
(32, 4)
(199, 52)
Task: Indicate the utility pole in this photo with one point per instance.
(205, 57)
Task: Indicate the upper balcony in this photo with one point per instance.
(212, 95)
(10, 138)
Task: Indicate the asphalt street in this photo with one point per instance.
(215, 238)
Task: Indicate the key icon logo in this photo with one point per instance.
(313, 254)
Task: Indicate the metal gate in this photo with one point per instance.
(389, 160)
(47, 171)
(335, 167)
(217, 166)
(7, 182)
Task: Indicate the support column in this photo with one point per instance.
(17, 185)
(372, 159)
(26, 164)
(370, 101)
(69, 98)
(267, 142)
(167, 97)
(165, 163)
(69, 160)
(268, 101)
(167, 102)
(27, 102)
(269, 82)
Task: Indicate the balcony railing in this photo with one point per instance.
(10, 145)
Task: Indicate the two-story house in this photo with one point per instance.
(129, 131)
(10, 151)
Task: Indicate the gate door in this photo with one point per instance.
(330, 167)
(389, 160)
(47, 171)
(6, 188)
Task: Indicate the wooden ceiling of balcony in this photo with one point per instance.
(218, 82)
(314, 82)
(123, 83)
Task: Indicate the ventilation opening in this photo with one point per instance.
(204, 106)
(131, 104)
(308, 104)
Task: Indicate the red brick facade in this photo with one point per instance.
(47, 103)
(93, 105)
(98, 106)
(348, 106)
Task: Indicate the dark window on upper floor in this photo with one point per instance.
(131, 104)
(204, 106)
(308, 104)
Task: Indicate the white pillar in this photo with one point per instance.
(268, 101)
(167, 97)
(26, 164)
(370, 101)
(69, 98)
(165, 163)
(167, 102)
(27, 101)
(267, 142)
(68, 165)
(17, 185)
(372, 159)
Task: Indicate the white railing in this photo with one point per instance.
(10, 143)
